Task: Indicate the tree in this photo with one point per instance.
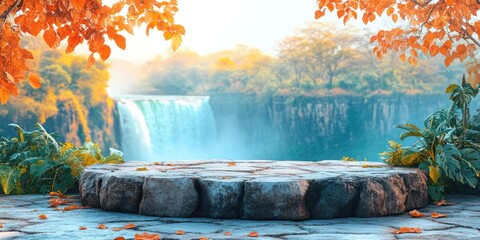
(76, 22)
(447, 27)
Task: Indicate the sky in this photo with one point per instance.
(213, 25)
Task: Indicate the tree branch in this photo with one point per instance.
(4, 16)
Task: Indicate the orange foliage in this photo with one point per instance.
(55, 202)
(128, 226)
(253, 234)
(438, 215)
(147, 236)
(416, 214)
(408, 230)
(450, 28)
(180, 232)
(444, 203)
(75, 22)
(102, 226)
(83, 228)
(42, 216)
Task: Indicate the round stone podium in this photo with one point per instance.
(254, 189)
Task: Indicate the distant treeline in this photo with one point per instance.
(317, 60)
(73, 100)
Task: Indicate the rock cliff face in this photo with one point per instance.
(316, 128)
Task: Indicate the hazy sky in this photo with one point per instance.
(213, 25)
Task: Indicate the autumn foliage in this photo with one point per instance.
(75, 22)
(447, 27)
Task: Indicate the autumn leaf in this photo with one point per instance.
(83, 228)
(4, 95)
(232, 164)
(74, 207)
(34, 80)
(438, 215)
(1, 225)
(407, 230)
(176, 41)
(58, 194)
(444, 203)
(142, 169)
(102, 226)
(129, 226)
(202, 238)
(42, 216)
(416, 214)
(78, 4)
(116, 229)
(227, 233)
(90, 61)
(180, 232)
(104, 52)
(170, 164)
(120, 41)
(55, 202)
(253, 234)
(157, 163)
(147, 236)
(119, 238)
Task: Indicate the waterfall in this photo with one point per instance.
(166, 127)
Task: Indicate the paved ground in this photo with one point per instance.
(19, 216)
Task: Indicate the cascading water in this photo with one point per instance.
(166, 127)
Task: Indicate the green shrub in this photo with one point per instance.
(34, 162)
(448, 148)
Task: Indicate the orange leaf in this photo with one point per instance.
(232, 164)
(90, 61)
(330, 7)
(104, 52)
(120, 41)
(176, 41)
(180, 232)
(203, 238)
(390, 10)
(141, 169)
(416, 214)
(168, 35)
(1, 225)
(58, 193)
(147, 236)
(128, 226)
(102, 226)
(78, 4)
(438, 215)
(4, 96)
(119, 238)
(50, 38)
(447, 61)
(394, 18)
(55, 202)
(444, 203)
(42, 216)
(407, 230)
(253, 234)
(116, 229)
(228, 233)
(83, 228)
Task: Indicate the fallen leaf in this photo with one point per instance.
(232, 164)
(228, 233)
(142, 169)
(119, 238)
(203, 238)
(438, 215)
(253, 234)
(74, 207)
(407, 230)
(83, 228)
(42, 216)
(444, 203)
(416, 214)
(128, 226)
(180, 232)
(170, 164)
(102, 226)
(1, 225)
(58, 194)
(147, 236)
(116, 229)
(55, 202)
(157, 163)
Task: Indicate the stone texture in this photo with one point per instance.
(254, 189)
(19, 216)
(169, 197)
(332, 198)
(273, 199)
(121, 193)
(221, 198)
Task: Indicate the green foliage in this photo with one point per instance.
(448, 148)
(34, 162)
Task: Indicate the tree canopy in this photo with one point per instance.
(447, 27)
(75, 22)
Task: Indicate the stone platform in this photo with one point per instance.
(292, 190)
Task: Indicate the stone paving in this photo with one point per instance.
(261, 190)
(19, 216)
